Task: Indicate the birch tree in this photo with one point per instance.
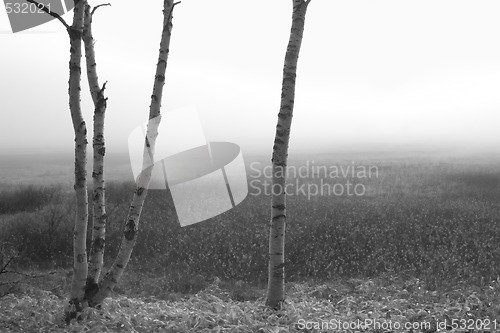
(276, 269)
(132, 222)
(88, 288)
(99, 216)
(80, 265)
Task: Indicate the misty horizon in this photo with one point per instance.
(432, 84)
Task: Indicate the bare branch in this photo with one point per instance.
(51, 13)
(95, 8)
(103, 87)
(25, 276)
(29, 275)
(3, 269)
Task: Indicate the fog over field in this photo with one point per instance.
(57, 168)
(392, 209)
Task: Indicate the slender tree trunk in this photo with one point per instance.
(112, 277)
(276, 273)
(80, 267)
(99, 216)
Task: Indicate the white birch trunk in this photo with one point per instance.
(112, 277)
(80, 229)
(276, 273)
(99, 216)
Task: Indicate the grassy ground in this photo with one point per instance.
(384, 304)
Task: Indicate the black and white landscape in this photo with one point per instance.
(392, 168)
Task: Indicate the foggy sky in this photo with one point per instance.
(370, 72)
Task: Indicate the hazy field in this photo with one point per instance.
(426, 224)
(433, 216)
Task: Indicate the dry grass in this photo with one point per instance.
(383, 300)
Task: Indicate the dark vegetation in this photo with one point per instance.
(438, 222)
(26, 199)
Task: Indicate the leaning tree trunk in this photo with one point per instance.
(276, 273)
(112, 277)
